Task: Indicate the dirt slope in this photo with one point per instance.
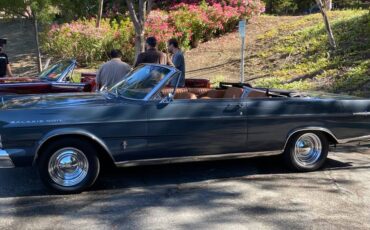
(219, 59)
(293, 53)
(21, 47)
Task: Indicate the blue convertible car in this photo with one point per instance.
(146, 119)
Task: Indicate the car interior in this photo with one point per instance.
(202, 90)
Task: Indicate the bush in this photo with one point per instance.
(189, 22)
(158, 25)
(82, 40)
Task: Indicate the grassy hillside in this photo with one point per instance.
(296, 55)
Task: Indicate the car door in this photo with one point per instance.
(68, 87)
(196, 127)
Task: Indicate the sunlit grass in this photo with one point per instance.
(303, 47)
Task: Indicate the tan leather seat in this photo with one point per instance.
(185, 95)
(254, 93)
(233, 92)
(166, 91)
(200, 92)
(213, 94)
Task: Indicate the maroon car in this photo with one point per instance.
(60, 78)
(56, 79)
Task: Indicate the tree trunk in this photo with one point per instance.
(138, 19)
(327, 24)
(328, 5)
(39, 61)
(139, 43)
(100, 13)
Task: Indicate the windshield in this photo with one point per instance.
(140, 82)
(54, 72)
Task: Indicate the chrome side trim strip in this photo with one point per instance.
(348, 140)
(339, 141)
(362, 114)
(170, 160)
(5, 160)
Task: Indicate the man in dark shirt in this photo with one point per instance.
(4, 65)
(152, 54)
(178, 60)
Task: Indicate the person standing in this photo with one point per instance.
(5, 69)
(152, 54)
(178, 59)
(112, 71)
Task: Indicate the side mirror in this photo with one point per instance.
(167, 100)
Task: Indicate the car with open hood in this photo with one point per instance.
(147, 119)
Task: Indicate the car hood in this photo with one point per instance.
(52, 100)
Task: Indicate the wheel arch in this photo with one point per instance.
(330, 136)
(103, 150)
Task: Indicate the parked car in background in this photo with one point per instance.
(62, 78)
(59, 78)
(144, 120)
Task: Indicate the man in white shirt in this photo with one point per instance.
(112, 71)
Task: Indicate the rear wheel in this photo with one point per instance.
(307, 151)
(69, 165)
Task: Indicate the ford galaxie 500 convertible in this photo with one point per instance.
(145, 119)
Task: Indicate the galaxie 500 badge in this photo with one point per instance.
(35, 121)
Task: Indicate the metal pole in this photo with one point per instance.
(242, 61)
(100, 12)
(39, 62)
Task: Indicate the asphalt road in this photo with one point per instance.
(238, 194)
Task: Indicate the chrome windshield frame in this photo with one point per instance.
(161, 84)
(165, 79)
(72, 65)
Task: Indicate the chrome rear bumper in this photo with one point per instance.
(5, 160)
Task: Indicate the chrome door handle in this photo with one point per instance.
(362, 114)
(233, 107)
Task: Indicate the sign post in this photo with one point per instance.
(242, 32)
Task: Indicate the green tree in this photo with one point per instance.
(75, 9)
(139, 10)
(281, 6)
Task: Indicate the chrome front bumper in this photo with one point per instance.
(5, 160)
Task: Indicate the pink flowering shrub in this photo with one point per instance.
(190, 21)
(159, 26)
(82, 40)
(197, 20)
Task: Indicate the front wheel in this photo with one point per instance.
(307, 151)
(69, 165)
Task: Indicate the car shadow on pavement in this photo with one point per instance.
(223, 190)
(22, 182)
(185, 173)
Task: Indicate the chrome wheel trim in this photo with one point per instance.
(68, 167)
(307, 150)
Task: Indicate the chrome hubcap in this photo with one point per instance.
(68, 167)
(307, 150)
